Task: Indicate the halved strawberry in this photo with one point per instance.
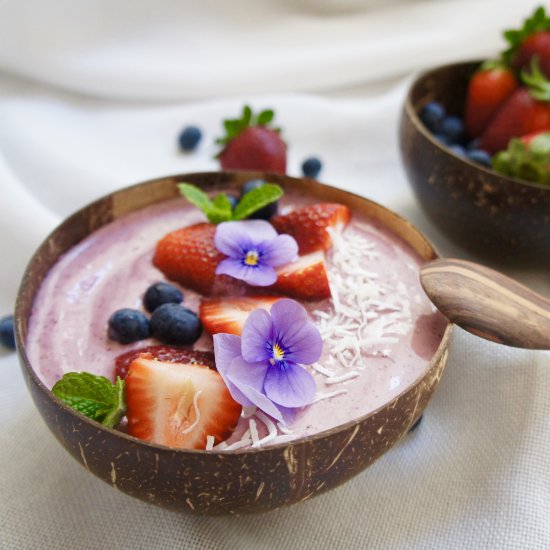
(306, 278)
(178, 407)
(308, 225)
(228, 315)
(188, 256)
(168, 354)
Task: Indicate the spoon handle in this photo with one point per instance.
(488, 303)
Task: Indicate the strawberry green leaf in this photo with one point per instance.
(94, 396)
(256, 200)
(265, 117)
(538, 22)
(235, 126)
(539, 86)
(527, 162)
(196, 196)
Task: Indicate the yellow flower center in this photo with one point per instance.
(278, 353)
(251, 258)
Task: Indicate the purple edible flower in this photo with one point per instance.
(262, 368)
(254, 249)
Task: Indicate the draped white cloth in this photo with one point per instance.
(92, 96)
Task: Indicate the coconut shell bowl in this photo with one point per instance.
(486, 213)
(215, 482)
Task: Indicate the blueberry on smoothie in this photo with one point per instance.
(128, 325)
(159, 294)
(175, 324)
(7, 335)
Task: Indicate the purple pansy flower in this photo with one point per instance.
(262, 367)
(254, 249)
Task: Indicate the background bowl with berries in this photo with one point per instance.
(475, 144)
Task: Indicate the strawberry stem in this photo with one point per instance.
(539, 85)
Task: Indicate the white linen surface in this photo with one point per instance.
(92, 96)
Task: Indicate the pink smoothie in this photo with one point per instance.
(379, 329)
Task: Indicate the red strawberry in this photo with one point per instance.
(521, 114)
(188, 256)
(308, 225)
(487, 91)
(529, 42)
(229, 315)
(168, 354)
(536, 45)
(162, 402)
(305, 278)
(250, 144)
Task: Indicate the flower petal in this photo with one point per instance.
(231, 238)
(279, 251)
(300, 339)
(256, 336)
(289, 385)
(259, 275)
(248, 379)
(227, 347)
(258, 230)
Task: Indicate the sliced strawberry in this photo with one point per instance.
(163, 402)
(308, 225)
(168, 354)
(305, 278)
(188, 256)
(228, 315)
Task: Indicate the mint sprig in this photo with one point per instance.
(235, 126)
(93, 396)
(530, 162)
(538, 22)
(219, 210)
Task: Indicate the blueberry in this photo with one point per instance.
(453, 128)
(267, 211)
(471, 145)
(432, 115)
(189, 138)
(175, 324)
(161, 293)
(311, 167)
(233, 201)
(416, 424)
(7, 334)
(442, 138)
(480, 157)
(458, 150)
(128, 325)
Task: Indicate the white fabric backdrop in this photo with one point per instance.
(92, 96)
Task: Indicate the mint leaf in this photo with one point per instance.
(94, 396)
(539, 86)
(257, 199)
(221, 209)
(196, 196)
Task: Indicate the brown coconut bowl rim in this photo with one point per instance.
(414, 117)
(20, 344)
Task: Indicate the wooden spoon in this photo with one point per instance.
(488, 303)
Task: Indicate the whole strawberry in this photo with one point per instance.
(251, 144)
(526, 111)
(488, 89)
(529, 42)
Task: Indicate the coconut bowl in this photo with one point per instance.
(214, 482)
(489, 214)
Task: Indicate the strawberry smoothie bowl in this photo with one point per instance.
(229, 342)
